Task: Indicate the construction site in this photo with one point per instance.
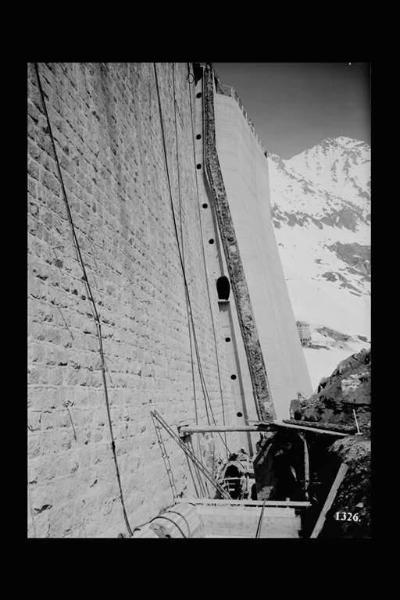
(168, 393)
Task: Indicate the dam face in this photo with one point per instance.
(244, 170)
(125, 198)
(129, 140)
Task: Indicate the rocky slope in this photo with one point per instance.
(346, 390)
(342, 398)
(320, 202)
(354, 495)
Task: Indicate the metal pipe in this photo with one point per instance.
(188, 429)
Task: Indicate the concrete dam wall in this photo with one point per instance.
(130, 207)
(245, 173)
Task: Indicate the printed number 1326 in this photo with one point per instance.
(347, 516)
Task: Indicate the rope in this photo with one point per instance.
(176, 234)
(91, 298)
(183, 248)
(204, 265)
(208, 294)
(202, 488)
(212, 321)
(202, 483)
(189, 453)
(201, 374)
(186, 292)
(192, 476)
(138, 527)
(165, 458)
(171, 521)
(175, 512)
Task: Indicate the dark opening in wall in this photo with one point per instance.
(198, 72)
(199, 95)
(198, 166)
(205, 205)
(211, 241)
(198, 136)
(239, 414)
(223, 288)
(227, 339)
(233, 376)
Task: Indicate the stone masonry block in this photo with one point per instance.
(106, 122)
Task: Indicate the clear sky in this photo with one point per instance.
(296, 105)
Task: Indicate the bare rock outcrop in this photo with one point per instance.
(343, 401)
(344, 396)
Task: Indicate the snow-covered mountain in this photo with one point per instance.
(320, 202)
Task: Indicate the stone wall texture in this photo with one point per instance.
(106, 124)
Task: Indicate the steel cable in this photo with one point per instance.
(202, 379)
(205, 268)
(91, 298)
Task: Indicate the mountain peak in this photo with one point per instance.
(340, 165)
(341, 142)
(345, 141)
(320, 206)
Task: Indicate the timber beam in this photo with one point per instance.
(260, 426)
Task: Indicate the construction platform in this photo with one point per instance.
(209, 518)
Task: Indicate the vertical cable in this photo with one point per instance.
(202, 379)
(91, 298)
(183, 248)
(204, 261)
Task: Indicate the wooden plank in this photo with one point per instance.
(304, 428)
(329, 500)
(306, 465)
(320, 425)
